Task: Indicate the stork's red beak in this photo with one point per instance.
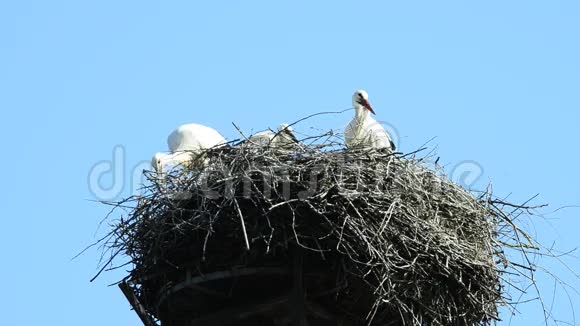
(367, 105)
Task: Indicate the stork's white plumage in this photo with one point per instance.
(283, 138)
(186, 143)
(194, 137)
(364, 131)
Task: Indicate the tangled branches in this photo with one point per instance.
(377, 238)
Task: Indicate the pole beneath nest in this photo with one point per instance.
(136, 304)
(298, 296)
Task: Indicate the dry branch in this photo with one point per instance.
(383, 238)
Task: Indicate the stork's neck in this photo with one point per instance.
(361, 113)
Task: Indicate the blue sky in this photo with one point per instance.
(496, 82)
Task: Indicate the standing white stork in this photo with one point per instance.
(283, 138)
(186, 144)
(363, 130)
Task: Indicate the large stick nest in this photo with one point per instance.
(382, 238)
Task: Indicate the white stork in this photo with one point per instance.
(283, 138)
(162, 160)
(186, 143)
(194, 137)
(363, 130)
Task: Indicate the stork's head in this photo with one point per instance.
(360, 101)
(157, 162)
(287, 132)
(284, 127)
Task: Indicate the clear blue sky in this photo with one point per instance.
(497, 82)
